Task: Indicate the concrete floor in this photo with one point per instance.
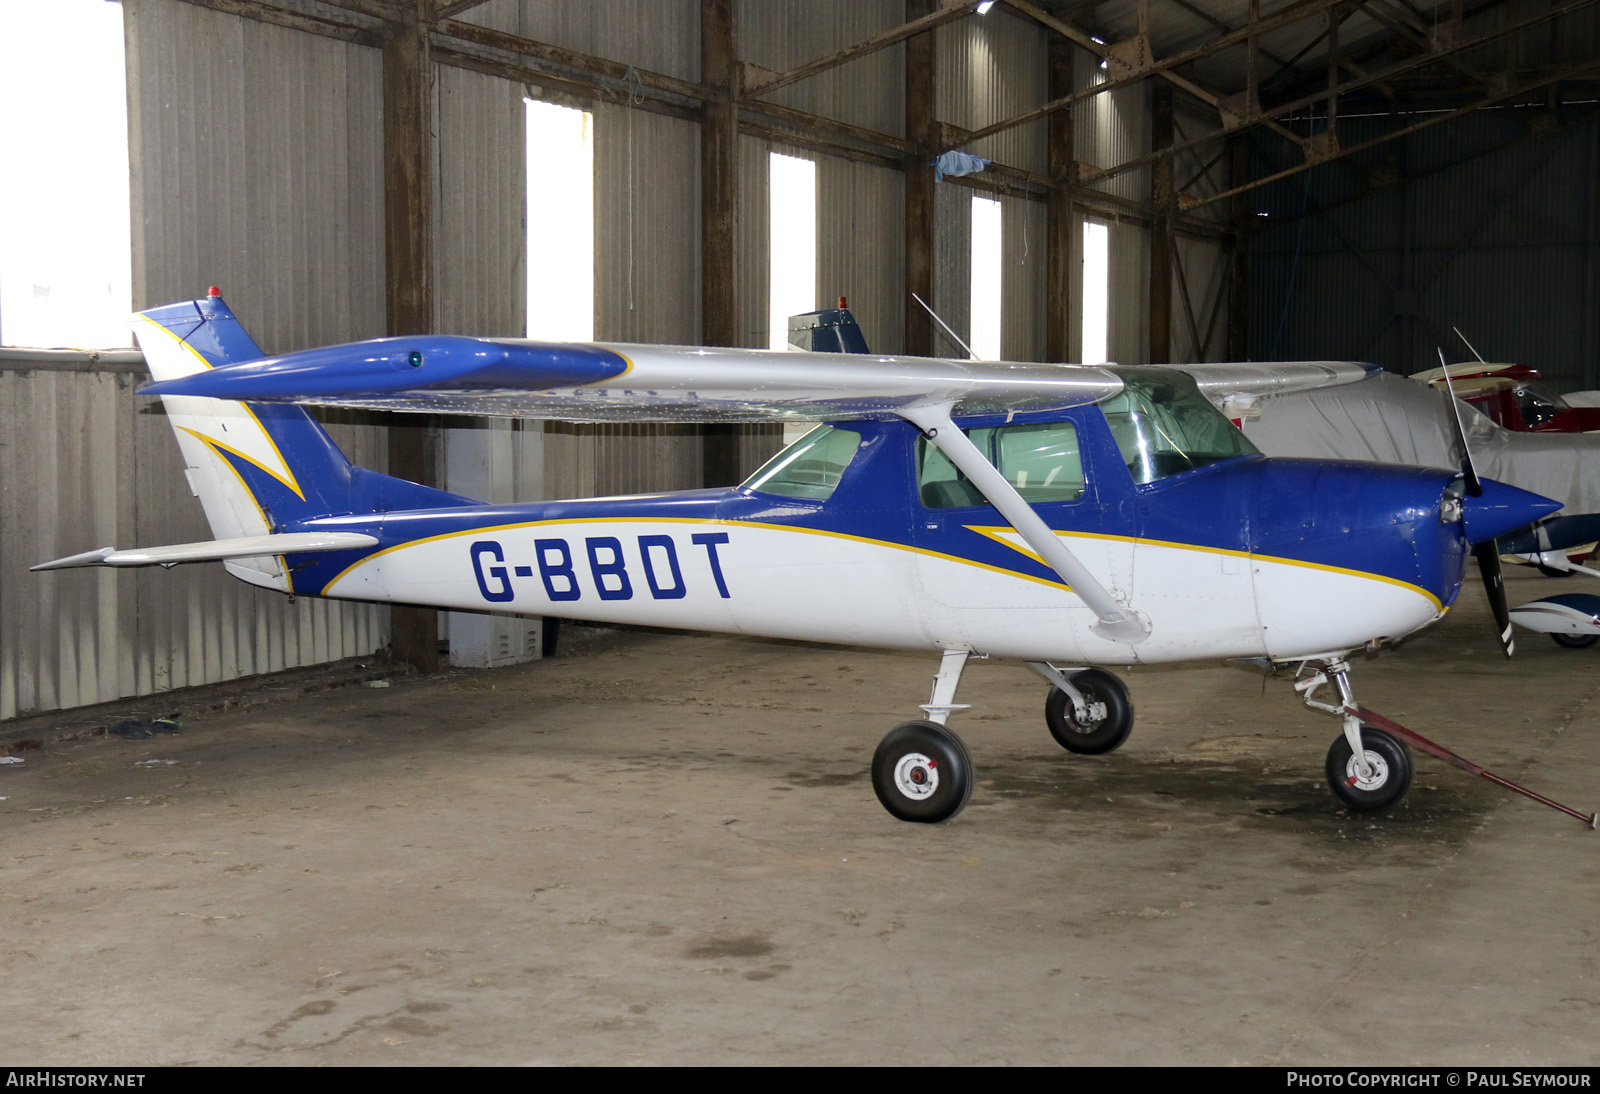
(665, 849)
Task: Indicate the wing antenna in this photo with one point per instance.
(954, 337)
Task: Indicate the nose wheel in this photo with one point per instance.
(1387, 776)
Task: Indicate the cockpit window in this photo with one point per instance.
(1538, 404)
(1040, 459)
(811, 467)
(1164, 426)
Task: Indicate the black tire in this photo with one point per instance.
(1392, 776)
(1095, 737)
(922, 772)
(1551, 571)
(1574, 641)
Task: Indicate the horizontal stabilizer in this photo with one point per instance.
(217, 550)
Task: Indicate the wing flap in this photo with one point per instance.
(216, 550)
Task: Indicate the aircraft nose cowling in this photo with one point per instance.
(386, 366)
(1502, 508)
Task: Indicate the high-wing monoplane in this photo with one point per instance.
(1068, 517)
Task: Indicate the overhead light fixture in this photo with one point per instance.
(984, 6)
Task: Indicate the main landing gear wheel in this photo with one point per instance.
(1095, 735)
(1574, 641)
(922, 773)
(1389, 760)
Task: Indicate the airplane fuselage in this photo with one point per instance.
(1245, 556)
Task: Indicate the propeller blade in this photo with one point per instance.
(1488, 555)
(1487, 552)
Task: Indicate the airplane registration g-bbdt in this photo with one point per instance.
(1069, 517)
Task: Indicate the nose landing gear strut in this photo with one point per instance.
(1369, 766)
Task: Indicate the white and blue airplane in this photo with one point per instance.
(1068, 517)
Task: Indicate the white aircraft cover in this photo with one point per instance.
(1392, 419)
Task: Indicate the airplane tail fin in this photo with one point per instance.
(831, 330)
(257, 468)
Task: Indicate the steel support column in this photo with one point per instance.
(923, 133)
(719, 203)
(1164, 197)
(1061, 336)
(408, 272)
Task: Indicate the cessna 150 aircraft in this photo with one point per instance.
(1069, 517)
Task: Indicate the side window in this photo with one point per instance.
(811, 467)
(1041, 461)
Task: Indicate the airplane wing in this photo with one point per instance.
(446, 374)
(441, 374)
(1236, 385)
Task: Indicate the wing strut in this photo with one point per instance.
(1118, 622)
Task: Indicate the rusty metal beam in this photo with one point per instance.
(293, 20)
(761, 82)
(1117, 57)
(922, 131)
(570, 59)
(449, 10)
(1295, 12)
(408, 274)
(1534, 131)
(1397, 68)
(1061, 320)
(1163, 198)
(1585, 68)
(388, 10)
(719, 213)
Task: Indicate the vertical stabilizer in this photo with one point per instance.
(257, 468)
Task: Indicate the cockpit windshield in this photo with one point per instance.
(1538, 404)
(1164, 426)
(811, 467)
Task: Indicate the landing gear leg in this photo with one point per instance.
(1367, 768)
(921, 771)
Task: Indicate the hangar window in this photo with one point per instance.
(811, 467)
(1096, 313)
(66, 266)
(791, 243)
(560, 152)
(988, 274)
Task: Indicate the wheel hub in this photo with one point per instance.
(1375, 763)
(916, 776)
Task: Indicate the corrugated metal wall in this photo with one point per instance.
(866, 91)
(256, 166)
(1504, 245)
(658, 35)
(990, 68)
(1111, 128)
